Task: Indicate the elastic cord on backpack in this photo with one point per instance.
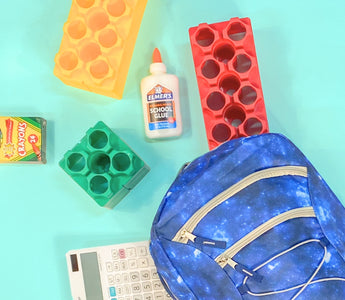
(323, 242)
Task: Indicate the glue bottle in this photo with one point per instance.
(161, 103)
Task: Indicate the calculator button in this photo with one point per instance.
(157, 285)
(134, 276)
(145, 275)
(127, 289)
(113, 299)
(132, 264)
(115, 254)
(147, 287)
(109, 266)
(125, 277)
(130, 252)
(142, 251)
(123, 265)
(159, 296)
(122, 253)
(137, 297)
(136, 288)
(151, 261)
(154, 274)
(143, 263)
(111, 280)
(118, 278)
(120, 290)
(112, 291)
(116, 266)
(148, 297)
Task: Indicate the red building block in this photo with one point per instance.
(228, 78)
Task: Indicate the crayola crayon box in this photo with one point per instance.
(22, 140)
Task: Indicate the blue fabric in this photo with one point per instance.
(190, 270)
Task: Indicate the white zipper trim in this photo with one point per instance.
(182, 235)
(226, 257)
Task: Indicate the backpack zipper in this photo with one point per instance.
(226, 257)
(185, 233)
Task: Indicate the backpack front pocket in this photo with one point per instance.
(185, 233)
(286, 273)
(227, 256)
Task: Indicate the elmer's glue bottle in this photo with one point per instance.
(161, 103)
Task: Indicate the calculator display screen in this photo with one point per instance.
(91, 276)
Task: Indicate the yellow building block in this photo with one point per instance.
(98, 43)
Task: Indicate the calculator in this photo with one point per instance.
(116, 272)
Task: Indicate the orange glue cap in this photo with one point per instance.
(156, 57)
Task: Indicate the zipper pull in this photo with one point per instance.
(203, 241)
(190, 236)
(226, 261)
(247, 272)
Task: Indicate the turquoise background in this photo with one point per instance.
(300, 49)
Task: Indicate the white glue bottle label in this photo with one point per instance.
(161, 103)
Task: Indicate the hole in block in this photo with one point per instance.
(107, 38)
(237, 31)
(116, 8)
(99, 163)
(224, 53)
(235, 116)
(68, 60)
(210, 69)
(99, 184)
(221, 133)
(76, 162)
(205, 37)
(98, 20)
(242, 63)
(90, 52)
(215, 101)
(85, 3)
(98, 139)
(253, 126)
(121, 161)
(230, 84)
(76, 29)
(247, 95)
(99, 69)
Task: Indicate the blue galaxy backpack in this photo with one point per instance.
(251, 219)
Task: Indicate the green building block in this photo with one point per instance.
(104, 166)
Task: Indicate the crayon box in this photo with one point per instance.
(22, 140)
